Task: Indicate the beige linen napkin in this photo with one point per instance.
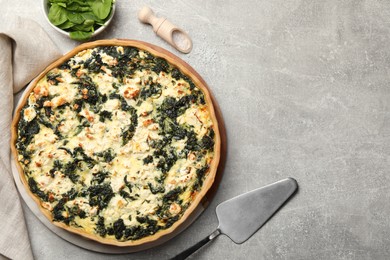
(25, 50)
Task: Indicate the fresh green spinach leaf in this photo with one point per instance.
(101, 8)
(92, 16)
(75, 17)
(57, 14)
(80, 35)
(66, 25)
(86, 26)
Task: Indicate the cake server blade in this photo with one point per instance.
(240, 217)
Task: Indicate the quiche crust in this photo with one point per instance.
(172, 114)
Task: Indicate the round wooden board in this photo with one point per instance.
(190, 215)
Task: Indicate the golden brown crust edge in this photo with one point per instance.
(187, 70)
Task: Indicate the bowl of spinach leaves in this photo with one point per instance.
(79, 19)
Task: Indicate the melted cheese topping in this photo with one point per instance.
(115, 142)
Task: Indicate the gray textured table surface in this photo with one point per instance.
(304, 89)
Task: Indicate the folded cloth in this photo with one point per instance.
(25, 50)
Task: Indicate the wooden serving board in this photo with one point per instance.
(86, 243)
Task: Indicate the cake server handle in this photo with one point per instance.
(183, 255)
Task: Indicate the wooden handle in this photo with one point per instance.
(166, 30)
(146, 15)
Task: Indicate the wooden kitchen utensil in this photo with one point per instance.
(166, 30)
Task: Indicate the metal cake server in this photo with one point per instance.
(240, 217)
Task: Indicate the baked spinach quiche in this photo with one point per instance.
(116, 143)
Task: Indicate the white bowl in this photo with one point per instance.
(99, 30)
